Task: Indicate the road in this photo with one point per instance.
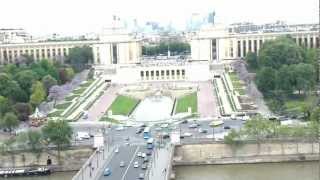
(127, 154)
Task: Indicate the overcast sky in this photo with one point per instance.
(42, 17)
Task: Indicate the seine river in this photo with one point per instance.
(268, 171)
(54, 176)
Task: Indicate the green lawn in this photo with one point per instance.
(110, 120)
(79, 90)
(63, 106)
(55, 113)
(187, 101)
(234, 76)
(123, 105)
(294, 105)
(87, 84)
(70, 98)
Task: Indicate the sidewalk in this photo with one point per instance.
(159, 166)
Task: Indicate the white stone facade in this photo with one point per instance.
(216, 43)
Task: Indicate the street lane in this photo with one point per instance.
(125, 154)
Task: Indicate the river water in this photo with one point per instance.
(54, 176)
(267, 171)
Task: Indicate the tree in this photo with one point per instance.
(252, 60)
(48, 81)
(304, 77)
(266, 79)
(38, 94)
(34, 141)
(25, 79)
(11, 89)
(315, 115)
(66, 74)
(9, 121)
(23, 110)
(280, 51)
(257, 128)
(58, 133)
(79, 57)
(4, 105)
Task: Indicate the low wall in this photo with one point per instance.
(220, 153)
(71, 160)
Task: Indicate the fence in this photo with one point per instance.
(92, 168)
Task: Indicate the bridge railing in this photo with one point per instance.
(92, 167)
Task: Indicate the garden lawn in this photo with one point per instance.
(63, 106)
(56, 113)
(87, 84)
(187, 101)
(294, 105)
(79, 91)
(123, 105)
(70, 98)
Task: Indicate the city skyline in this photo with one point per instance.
(80, 17)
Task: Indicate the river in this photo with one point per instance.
(267, 171)
(54, 176)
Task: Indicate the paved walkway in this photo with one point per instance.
(207, 105)
(99, 108)
(160, 163)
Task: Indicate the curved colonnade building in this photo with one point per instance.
(118, 54)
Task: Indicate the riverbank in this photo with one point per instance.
(265, 171)
(70, 159)
(219, 153)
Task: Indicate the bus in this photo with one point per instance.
(150, 143)
(146, 133)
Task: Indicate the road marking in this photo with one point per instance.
(133, 157)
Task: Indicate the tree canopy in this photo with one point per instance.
(284, 66)
(80, 57)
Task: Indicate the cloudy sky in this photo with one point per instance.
(42, 17)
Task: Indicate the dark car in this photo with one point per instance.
(144, 166)
(138, 131)
(149, 153)
(184, 122)
(226, 127)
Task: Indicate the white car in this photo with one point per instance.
(117, 150)
(139, 154)
(164, 125)
(143, 155)
(82, 135)
(136, 164)
(193, 125)
(120, 128)
(187, 134)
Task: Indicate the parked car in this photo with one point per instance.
(145, 159)
(107, 172)
(136, 164)
(143, 155)
(226, 127)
